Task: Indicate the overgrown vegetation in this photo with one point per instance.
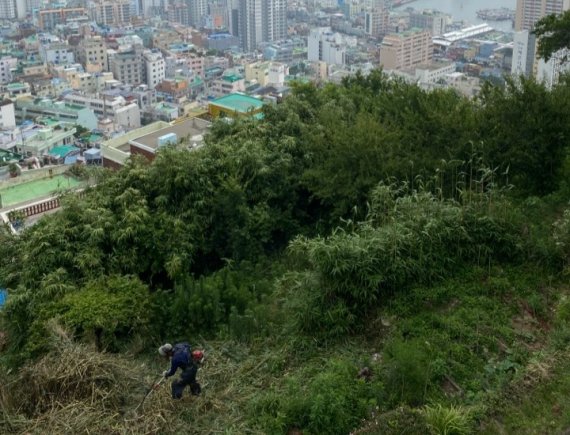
(369, 257)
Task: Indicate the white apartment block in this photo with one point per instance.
(434, 72)
(58, 54)
(549, 72)
(266, 73)
(274, 20)
(7, 115)
(326, 46)
(31, 5)
(277, 73)
(8, 9)
(406, 50)
(524, 53)
(155, 67)
(8, 64)
(109, 106)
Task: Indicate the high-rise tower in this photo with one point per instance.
(274, 19)
(8, 9)
(530, 11)
(261, 21)
(197, 9)
(250, 25)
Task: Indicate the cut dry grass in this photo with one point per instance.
(76, 390)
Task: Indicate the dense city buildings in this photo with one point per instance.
(112, 66)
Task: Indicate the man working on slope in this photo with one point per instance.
(181, 356)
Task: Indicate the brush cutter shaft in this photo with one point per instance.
(150, 390)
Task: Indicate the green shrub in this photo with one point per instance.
(227, 300)
(408, 372)
(561, 238)
(331, 401)
(563, 311)
(419, 241)
(109, 311)
(452, 420)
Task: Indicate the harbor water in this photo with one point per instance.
(466, 10)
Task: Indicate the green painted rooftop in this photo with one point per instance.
(232, 78)
(95, 138)
(15, 86)
(62, 151)
(238, 102)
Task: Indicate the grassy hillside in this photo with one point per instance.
(368, 258)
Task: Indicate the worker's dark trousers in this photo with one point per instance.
(188, 377)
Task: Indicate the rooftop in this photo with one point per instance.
(187, 128)
(62, 151)
(232, 78)
(238, 103)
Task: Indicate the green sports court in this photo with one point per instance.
(36, 189)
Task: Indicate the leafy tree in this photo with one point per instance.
(523, 131)
(553, 33)
(80, 131)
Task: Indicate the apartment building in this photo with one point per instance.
(8, 65)
(324, 45)
(48, 19)
(128, 66)
(549, 72)
(123, 114)
(525, 61)
(528, 12)
(178, 13)
(406, 50)
(8, 9)
(524, 53)
(227, 84)
(376, 22)
(92, 54)
(274, 20)
(266, 73)
(261, 21)
(28, 108)
(197, 9)
(286, 51)
(58, 54)
(155, 68)
(430, 20)
(7, 114)
(111, 12)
